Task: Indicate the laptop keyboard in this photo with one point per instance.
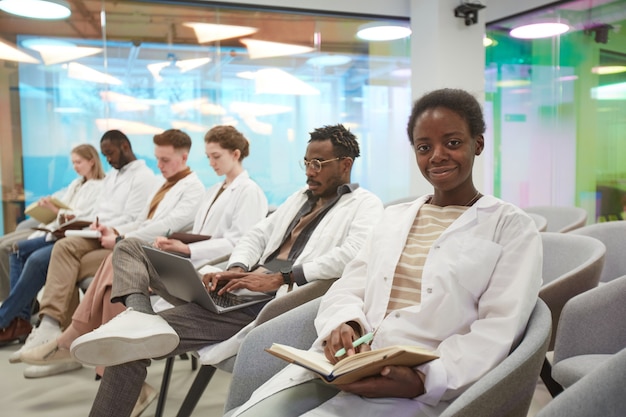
(227, 299)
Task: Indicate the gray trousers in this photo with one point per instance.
(196, 327)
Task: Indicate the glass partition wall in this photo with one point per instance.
(143, 67)
(559, 108)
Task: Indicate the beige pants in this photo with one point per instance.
(60, 296)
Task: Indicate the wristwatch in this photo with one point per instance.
(287, 279)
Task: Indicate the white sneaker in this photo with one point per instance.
(39, 336)
(42, 371)
(128, 337)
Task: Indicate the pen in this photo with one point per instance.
(97, 221)
(363, 339)
(168, 233)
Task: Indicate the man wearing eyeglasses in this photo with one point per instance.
(312, 236)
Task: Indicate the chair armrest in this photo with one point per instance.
(293, 299)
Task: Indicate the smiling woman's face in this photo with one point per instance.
(445, 149)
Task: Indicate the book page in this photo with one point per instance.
(356, 367)
(44, 214)
(313, 361)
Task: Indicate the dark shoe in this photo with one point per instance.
(18, 329)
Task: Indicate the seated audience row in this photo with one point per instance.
(455, 272)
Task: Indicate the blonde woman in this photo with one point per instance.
(80, 195)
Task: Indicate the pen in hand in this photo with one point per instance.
(358, 342)
(168, 233)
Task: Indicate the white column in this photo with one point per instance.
(446, 53)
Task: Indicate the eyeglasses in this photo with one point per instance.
(315, 164)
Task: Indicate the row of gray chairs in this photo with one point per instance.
(574, 266)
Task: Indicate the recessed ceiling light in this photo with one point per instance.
(401, 73)
(54, 51)
(608, 69)
(10, 52)
(266, 49)
(539, 30)
(383, 31)
(37, 9)
(512, 83)
(209, 32)
(328, 60)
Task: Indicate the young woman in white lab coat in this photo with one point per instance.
(468, 299)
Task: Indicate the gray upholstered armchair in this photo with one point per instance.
(591, 330)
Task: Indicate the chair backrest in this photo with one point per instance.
(560, 218)
(599, 393)
(540, 221)
(613, 235)
(294, 329)
(571, 265)
(593, 322)
(507, 390)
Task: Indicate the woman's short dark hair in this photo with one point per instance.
(344, 142)
(229, 138)
(459, 101)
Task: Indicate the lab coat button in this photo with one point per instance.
(397, 315)
(429, 290)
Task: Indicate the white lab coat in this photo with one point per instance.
(124, 193)
(335, 241)
(240, 206)
(479, 285)
(174, 213)
(80, 197)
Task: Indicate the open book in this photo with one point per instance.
(44, 214)
(59, 232)
(355, 367)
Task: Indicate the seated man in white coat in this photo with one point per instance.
(314, 234)
(172, 207)
(454, 272)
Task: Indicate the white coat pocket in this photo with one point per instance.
(474, 262)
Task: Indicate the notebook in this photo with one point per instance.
(182, 280)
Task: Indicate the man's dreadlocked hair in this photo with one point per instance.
(344, 142)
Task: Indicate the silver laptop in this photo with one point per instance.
(183, 281)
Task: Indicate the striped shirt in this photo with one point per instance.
(429, 224)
